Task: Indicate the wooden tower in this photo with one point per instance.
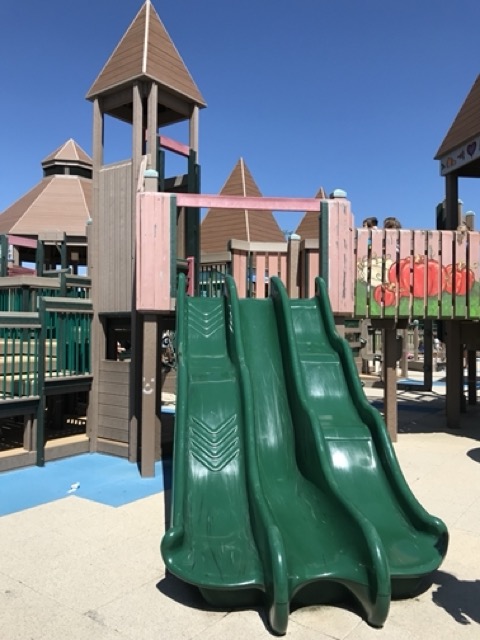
(146, 84)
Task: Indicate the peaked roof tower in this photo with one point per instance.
(466, 124)
(308, 227)
(221, 225)
(146, 52)
(60, 202)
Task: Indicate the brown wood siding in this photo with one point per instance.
(466, 124)
(113, 408)
(115, 245)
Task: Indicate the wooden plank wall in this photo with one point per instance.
(114, 392)
(116, 245)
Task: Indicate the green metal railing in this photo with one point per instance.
(19, 360)
(212, 279)
(38, 346)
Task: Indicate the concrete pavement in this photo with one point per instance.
(74, 568)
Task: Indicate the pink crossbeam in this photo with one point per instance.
(252, 203)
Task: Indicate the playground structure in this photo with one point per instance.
(124, 414)
(271, 425)
(145, 232)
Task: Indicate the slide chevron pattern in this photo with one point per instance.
(215, 446)
(208, 323)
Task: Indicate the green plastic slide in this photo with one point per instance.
(286, 488)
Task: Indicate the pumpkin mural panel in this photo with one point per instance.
(422, 280)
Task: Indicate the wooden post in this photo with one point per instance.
(454, 373)
(390, 354)
(427, 355)
(93, 243)
(472, 376)
(404, 358)
(151, 384)
(293, 254)
(451, 202)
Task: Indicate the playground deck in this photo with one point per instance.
(96, 570)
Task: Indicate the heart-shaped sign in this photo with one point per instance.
(472, 147)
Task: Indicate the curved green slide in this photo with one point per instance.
(286, 488)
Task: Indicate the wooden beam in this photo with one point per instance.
(174, 145)
(253, 203)
(19, 241)
(390, 353)
(152, 125)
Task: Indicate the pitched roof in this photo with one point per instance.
(57, 203)
(308, 227)
(147, 51)
(69, 152)
(466, 124)
(221, 225)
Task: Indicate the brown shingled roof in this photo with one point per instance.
(147, 51)
(221, 225)
(60, 203)
(466, 124)
(69, 151)
(308, 227)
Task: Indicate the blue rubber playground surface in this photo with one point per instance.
(94, 476)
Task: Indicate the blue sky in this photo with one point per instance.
(351, 94)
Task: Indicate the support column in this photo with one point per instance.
(135, 404)
(453, 211)
(152, 125)
(404, 358)
(472, 377)
(293, 253)
(93, 267)
(390, 354)
(454, 359)
(151, 384)
(428, 355)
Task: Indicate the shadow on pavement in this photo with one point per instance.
(459, 598)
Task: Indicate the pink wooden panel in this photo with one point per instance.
(376, 273)
(420, 267)
(361, 275)
(404, 264)
(435, 279)
(391, 290)
(312, 257)
(153, 252)
(260, 275)
(273, 265)
(460, 300)
(447, 240)
(283, 268)
(347, 266)
(334, 256)
(474, 266)
(239, 272)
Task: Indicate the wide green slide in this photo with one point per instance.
(286, 488)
